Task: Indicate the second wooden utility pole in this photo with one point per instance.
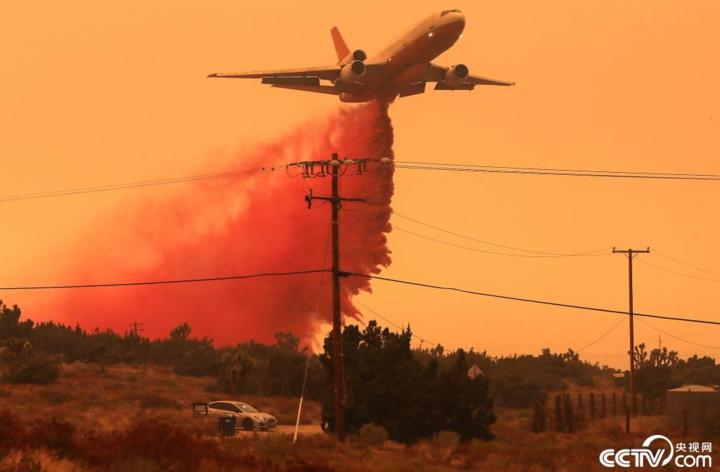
(631, 253)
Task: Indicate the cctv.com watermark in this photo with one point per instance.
(681, 454)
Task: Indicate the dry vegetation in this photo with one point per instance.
(91, 396)
(126, 419)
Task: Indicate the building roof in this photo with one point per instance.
(694, 388)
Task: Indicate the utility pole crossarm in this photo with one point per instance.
(631, 251)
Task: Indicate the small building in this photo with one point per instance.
(701, 402)
(620, 379)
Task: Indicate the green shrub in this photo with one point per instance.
(373, 435)
(33, 369)
(200, 362)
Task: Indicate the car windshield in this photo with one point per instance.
(247, 408)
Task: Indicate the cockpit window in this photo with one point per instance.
(445, 12)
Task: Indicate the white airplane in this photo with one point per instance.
(403, 68)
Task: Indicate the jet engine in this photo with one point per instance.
(359, 55)
(456, 74)
(352, 72)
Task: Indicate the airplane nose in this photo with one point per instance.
(457, 22)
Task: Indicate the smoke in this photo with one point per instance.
(258, 222)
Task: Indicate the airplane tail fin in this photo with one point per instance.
(341, 48)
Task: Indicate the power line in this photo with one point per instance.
(131, 185)
(707, 279)
(679, 338)
(602, 336)
(415, 165)
(460, 235)
(164, 282)
(530, 300)
(394, 324)
(493, 253)
(307, 357)
(551, 169)
(460, 246)
(686, 263)
(552, 172)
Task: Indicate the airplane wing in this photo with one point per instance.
(436, 73)
(328, 89)
(307, 79)
(299, 75)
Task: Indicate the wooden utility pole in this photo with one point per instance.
(631, 253)
(338, 372)
(136, 328)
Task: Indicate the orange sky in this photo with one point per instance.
(96, 93)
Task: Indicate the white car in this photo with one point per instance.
(248, 418)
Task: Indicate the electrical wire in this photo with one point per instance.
(552, 172)
(394, 324)
(549, 169)
(460, 235)
(690, 276)
(601, 337)
(685, 263)
(307, 357)
(413, 165)
(163, 282)
(679, 338)
(132, 185)
(530, 300)
(494, 253)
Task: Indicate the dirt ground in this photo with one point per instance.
(113, 400)
(106, 398)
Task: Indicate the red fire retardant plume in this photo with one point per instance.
(258, 222)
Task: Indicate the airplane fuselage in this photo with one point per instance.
(407, 57)
(402, 69)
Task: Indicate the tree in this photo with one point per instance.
(653, 375)
(10, 324)
(465, 403)
(287, 342)
(387, 385)
(181, 332)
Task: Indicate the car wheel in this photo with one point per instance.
(247, 424)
